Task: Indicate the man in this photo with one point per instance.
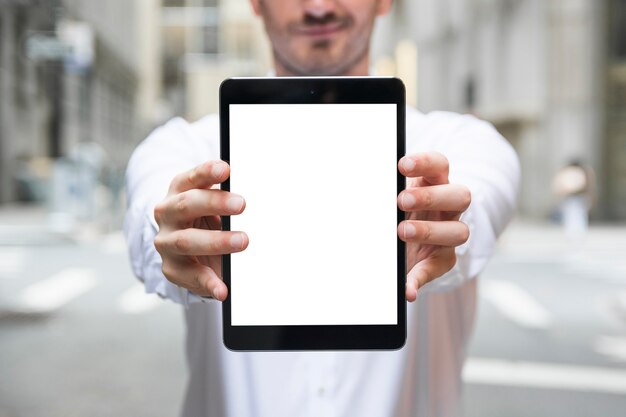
(448, 157)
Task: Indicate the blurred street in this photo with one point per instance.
(83, 82)
(551, 333)
(78, 337)
(550, 339)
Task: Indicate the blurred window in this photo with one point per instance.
(199, 20)
(618, 30)
(210, 30)
(616, 92)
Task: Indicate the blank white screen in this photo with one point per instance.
(320, 187)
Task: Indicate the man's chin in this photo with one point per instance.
(323, 72)
(318, 69)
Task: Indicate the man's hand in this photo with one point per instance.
(432, 228)
(190, 240)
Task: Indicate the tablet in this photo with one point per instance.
(316, 161)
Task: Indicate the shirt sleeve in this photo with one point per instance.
(171, 149)
(481, 159)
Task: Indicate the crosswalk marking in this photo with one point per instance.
(57, 290)
(620, 302)
(135, 300)
(12, 261)
(544, 375)
(515, 303)
(613, 347)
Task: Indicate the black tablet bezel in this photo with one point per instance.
(345, 90)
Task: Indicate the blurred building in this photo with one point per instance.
(74, 72)
(204, 42)
(21, 87)
(550, 75)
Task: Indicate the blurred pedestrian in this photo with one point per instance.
(574, 186)
(450, 159)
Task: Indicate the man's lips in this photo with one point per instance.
(320, 31)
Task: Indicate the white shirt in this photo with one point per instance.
(421, 379)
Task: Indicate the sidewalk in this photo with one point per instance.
(538, 235)
(541, 252)
(604, 244)
(32, 225)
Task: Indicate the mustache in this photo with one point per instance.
(310, 20)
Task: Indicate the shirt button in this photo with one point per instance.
(321, 391)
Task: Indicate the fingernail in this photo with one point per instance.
(235, 203)
(216, 293)
(218, 169)
(408, 200)
(407, 163)
(409, 230)
(236, 241)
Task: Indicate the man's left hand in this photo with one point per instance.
(432, 228)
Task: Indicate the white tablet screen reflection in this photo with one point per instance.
(320, 187)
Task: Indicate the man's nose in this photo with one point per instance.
(319, 8)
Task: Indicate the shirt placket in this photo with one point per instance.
(322, 386)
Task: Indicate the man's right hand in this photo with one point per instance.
(190, 239)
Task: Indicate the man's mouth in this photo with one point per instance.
(321, 31)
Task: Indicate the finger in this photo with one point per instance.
(208, 223)
(199, 242)
(197, 278)
(442, 233)
(432, 166)
(192, 204)
(446, 197)
(203, 176)
(440, 262)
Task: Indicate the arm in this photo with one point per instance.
(183, 221)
